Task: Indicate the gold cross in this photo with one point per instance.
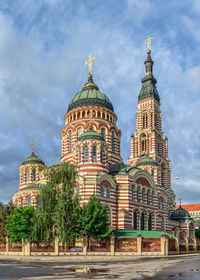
(148, 42)
(89, 63)
(180, 201)
(33, 146)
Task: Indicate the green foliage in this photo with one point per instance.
(5, 211)
(59, 212)
(197, 231)
(95, 220)
(19, 223)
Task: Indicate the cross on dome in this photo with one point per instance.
(89, 63)
(180, 201)
(33, 146)
(148, 43)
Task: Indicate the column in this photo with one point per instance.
(112, 244)
(139, 244)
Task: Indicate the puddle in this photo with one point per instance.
(82, 269)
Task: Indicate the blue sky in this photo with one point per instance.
(43, 47)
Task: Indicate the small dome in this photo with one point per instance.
(33, 159)
(146, 160)
(90, 134)
(90, 96)
(181, 215)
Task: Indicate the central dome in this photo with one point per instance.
(90, 96)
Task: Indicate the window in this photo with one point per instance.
(38, 201)
(108, 192)
(143, 195)
(94, 154)
(152, 172)
(132, 193)
(142, 221)
(160, 204)
(27, 175)
(103, 132)
(86, 154)
(79, 154)
(101, 155)
(29, 201)
(150, 222)
(79, 131)
(135, 220)
(143, 142)
(113, 142)
(33, 174)
(138, 194)
(70, 140)
(103, 191)
(148, 197)
(145, 120)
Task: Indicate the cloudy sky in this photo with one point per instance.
(43, 47)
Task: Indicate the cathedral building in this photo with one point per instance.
(139, 194)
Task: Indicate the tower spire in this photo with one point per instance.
(33, 147)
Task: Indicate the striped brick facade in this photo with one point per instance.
(138, 196)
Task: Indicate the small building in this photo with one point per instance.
(193, 209)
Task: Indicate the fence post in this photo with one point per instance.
(177, 245)
(7, 245)
(139, 244)
(112, 244)
(85, 244)
(164, 244)
(186, 245)
(195, 244)
(56, 246)
(26, 247)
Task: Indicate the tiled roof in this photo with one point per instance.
(190, 207)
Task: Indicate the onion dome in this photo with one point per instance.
(90, 96)
(33, 159)
(90, 134)
(146, 160)
(149, 82)
(181, 215)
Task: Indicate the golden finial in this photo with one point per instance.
(33, 146)
(148, 43)
(89, 63)
(180, 201)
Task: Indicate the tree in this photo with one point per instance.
(5, 211)
(197, 231)
(59, 212)
(19, 223)
(95, 219)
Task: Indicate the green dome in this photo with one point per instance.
(33, 159)
(181, 215)
(33, 186)
(149, 91)
(146, 160)
(90, 135)
(90, 96)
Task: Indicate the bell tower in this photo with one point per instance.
(149, 146)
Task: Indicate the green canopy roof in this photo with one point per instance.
(33, 159)
(90, 96)
(90, 134)
(125, 233)
(146, 160)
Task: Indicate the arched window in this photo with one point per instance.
(103, 132)
(142, 221)
(27, 175)
(21, 202)
(113, 141)
(86, 154)
(150, 222)
(101, 155)
(108, 192)
(79, 154)
(143, 142)
(132, 193)
(94, 154)
(160, 204)
(138, 194)
(70, 140)
(103, 191)
(135, 221)
(144, 120)
(143, 195)
(148, 197)
(38, 201)
(29, 200)
(79, 131)
(33, 174)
